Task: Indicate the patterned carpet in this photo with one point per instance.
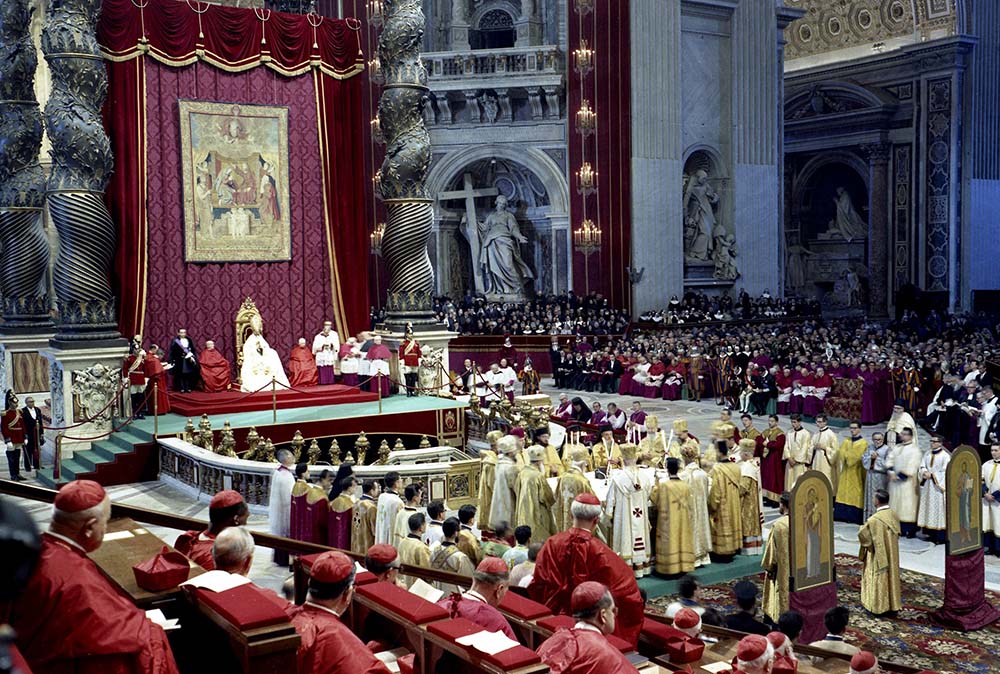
(910, 638)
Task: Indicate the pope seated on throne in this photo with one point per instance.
(261, 363)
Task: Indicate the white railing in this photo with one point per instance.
(538, 60)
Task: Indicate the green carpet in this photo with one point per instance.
(174, 423)
(713, 574)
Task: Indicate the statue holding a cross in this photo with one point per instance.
(498, 269)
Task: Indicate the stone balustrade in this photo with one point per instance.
(447, 474)
(488, 64)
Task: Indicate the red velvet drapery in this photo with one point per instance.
(169, 50)
(608, 88)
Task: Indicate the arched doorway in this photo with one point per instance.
(495, 30)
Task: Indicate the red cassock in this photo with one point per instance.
(302, 367)
(328, 646)
(12, 426)
(574, 556)
(197, 546)
(215, 373)
(583, 652)
(70, 618)
(481, 613)
(156, 374)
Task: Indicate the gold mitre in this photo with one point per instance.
(746, 444)
(536, 453)
(493, 436)
(652, 423)
(579, 454)
(629, 451)
(680, 425)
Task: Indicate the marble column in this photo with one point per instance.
(81, 165)
(410, 212)
(879, 205)
(24, 259)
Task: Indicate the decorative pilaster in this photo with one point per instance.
(459, 33)
(81, 164)
(25, 247)
(878, 229)
(410, 213)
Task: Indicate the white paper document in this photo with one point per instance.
(118, 535)
(156, 616)
(217, 581)
(358, 568)
(426, 591)
(490, 643)
(717, 667)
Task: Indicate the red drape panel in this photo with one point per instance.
(328, 136)
(608, 88)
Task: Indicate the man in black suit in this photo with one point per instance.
(937, 410)
(745, 620)
(33, 438)
(184, 358)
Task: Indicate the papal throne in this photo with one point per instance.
(243, 330)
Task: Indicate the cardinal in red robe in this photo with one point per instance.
(479, 604)
(156, 376)
(226, 509)
(302, 369)
(575, 556)
(215, 373)
(585, 649)
(378, 358)
(329, 646)
(70, 618)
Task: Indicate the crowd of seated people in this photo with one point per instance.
(792, 367)
(567, 314)
(697, 307)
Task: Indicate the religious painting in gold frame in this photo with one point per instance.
(963, 499)
(811, 532)
(235, 182)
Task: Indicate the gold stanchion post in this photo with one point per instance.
(274, 400)
(379, 392)
(156, 413)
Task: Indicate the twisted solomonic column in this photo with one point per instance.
(81, 164)
(404, 172)
(24, 259)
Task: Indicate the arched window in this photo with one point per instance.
(495, 31)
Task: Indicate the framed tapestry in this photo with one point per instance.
(811, 519)
(964, 495)
(235, 164)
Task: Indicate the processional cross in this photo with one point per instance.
(470, 228)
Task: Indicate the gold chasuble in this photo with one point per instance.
(776, 563)
(881, 590)
(724, 505)
(487, 476)
(533, 503)
(553, 464)
(570, 485)
(674, 502)
(363, 525)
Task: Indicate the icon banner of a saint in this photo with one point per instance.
(235, 162)
(811, 544)
(964, 492)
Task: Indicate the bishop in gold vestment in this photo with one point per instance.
(363, 524)
(552, 463)
(534, 498)
(725, 508)
(570, 485)
(675, 511)
(487, 476)
(653, 447)
(881, 589)
(751, 501)
(701, 527)
(798, 452)
(777, 566)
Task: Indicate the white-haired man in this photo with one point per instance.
(505, 478)
(574, 556)
(233, 551)
(754, 655)
(70, 617)
(584, 649)
(279, 506)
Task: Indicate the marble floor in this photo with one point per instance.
(915, 555)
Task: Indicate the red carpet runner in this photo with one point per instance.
(198, 403)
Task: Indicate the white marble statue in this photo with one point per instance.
(261, 363)
(699, 216)
(847, 224)
(504, 270)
